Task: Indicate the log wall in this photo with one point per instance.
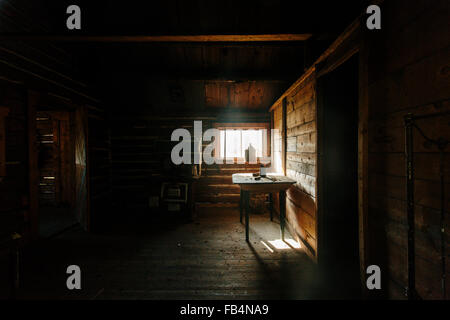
(14, 193)
(403, 69)
(141, 149)
(408, 72)
(300, 160)
(99, 164)
(32, 74)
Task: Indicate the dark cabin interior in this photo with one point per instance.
(328, 143)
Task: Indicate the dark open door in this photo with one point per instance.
(56, 162)
(338, 178)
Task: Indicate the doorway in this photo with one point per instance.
(56, 161)
(338, 253)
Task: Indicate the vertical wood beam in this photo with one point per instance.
(284, 136)
(320, 179)
(241, 205)
(247, 212)
(3, 114)
(56, 157)
(271, 141)
(88, 169)
(411, 268)
(271, 205)
(318, 100)
(270, 138)
(282, 196)
(363, 161)
(33, 171)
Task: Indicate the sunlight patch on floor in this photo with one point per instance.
(294, 244)
(267, 247)
(282, 245)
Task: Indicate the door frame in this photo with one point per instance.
(358, 46)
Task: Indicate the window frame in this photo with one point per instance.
(242, 126)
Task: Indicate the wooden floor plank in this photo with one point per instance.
(204, 259)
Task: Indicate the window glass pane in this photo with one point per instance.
(222, 143)
(253, 137)
(233, 142)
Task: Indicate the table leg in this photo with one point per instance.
(246, 205)
(241, 205)
(282, 212)
(271, 205)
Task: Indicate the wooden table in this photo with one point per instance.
(268, 184)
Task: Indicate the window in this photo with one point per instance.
(234, 142)
(235, 138)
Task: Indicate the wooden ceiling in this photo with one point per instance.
(217, 76)
(206, 61)
(219, 54)
(241, 95)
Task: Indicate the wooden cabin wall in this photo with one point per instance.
(149, 104)
(301, 153)
(403, 69)
(141, 149)
(99, 164)
(215, 187)
(81, 168)
(408, 72)
(14, 192)
(277, 139)
(31, 75)
(55, 158)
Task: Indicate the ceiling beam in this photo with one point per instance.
(285, 37)
(214, 76)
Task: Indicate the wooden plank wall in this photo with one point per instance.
(408, 72)
(301, 154)
(277, 139)
(81, 168)
(141, 148)
(405, 70)
(55, 158)
(14, 197)
(29, 73)
(215, 186)
(99, 165)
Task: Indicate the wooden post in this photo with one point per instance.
(241, 205)
(271, 205)
(282, 212)
(282, 194)
(56, 157)
(283, 136)
(33, 171)
(88, 169)
(3, 114)
(363, 162)
(411, 268)
(246, 201)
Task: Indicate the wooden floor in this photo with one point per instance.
(205, 259)
(53, 220)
